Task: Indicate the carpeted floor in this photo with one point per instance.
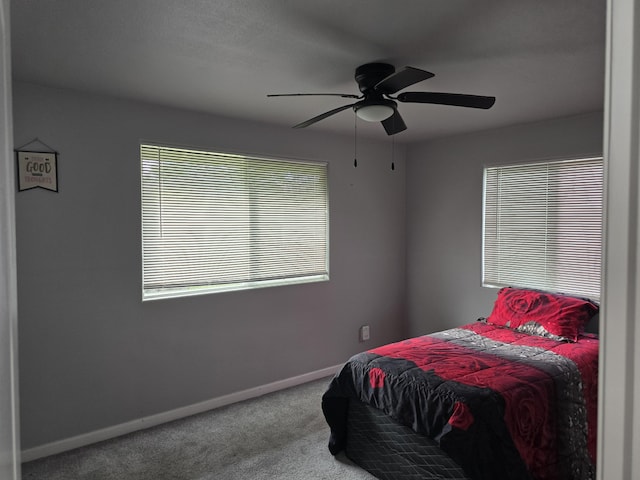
(281, 436)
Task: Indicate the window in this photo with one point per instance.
(216, 222)
(543, 226)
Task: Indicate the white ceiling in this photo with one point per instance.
(540, 58)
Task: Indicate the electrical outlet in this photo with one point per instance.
(364, 333)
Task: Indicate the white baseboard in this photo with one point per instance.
(160, 418)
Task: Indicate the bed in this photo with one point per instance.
(513, 396)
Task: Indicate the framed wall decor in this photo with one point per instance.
(37, 169)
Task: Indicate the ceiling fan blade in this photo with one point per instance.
(402, 79)
(323, 116)
(343, 95)
(455, 99)
(394, 124)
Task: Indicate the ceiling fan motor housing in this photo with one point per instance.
(370, 74)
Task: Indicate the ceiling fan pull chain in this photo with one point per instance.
(393, 152)
(355, 141)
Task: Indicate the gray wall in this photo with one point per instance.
(93, 355)
(444, 212)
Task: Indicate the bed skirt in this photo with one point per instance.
(391, 451)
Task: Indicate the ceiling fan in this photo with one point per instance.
(377, 82)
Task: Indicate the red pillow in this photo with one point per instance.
(546, 314)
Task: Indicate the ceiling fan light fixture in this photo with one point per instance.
(374, 112)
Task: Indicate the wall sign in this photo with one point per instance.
(37, 169)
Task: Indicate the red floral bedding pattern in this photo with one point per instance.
(541, 313)
(502, 403)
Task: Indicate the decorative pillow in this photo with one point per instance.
(546, 314)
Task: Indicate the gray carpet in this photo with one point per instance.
(281, 436)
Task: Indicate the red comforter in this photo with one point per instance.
(503, 404)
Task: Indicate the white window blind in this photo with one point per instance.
(543, 226)
(219, 222)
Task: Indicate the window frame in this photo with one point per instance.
(535, 282)
(149, 293)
